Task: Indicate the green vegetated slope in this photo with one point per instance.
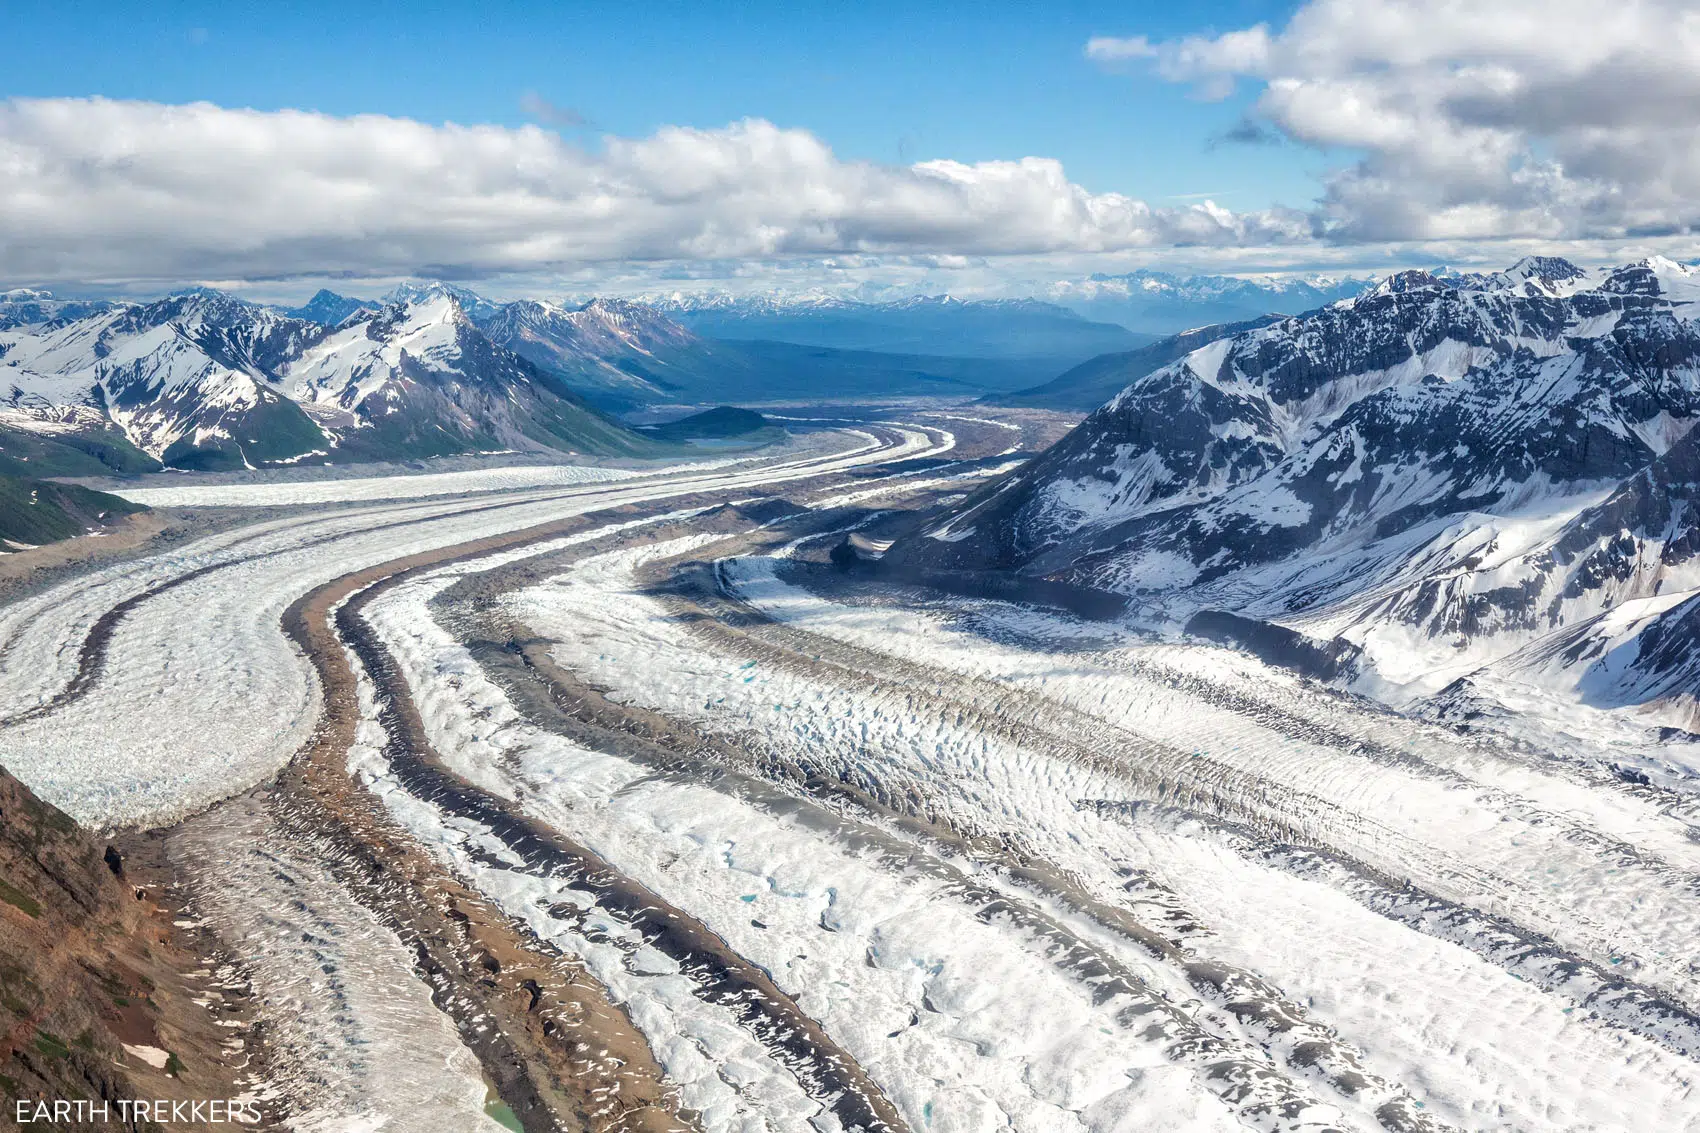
(33, 512)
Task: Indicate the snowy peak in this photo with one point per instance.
(189, 379)
(204, 379)
(1656, 277)
(1439, 468)
(420, 377)
(477, 308)
(360, 359)
(1550, 271)
(329, 309)
(1404, 282)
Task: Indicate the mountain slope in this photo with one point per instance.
(329, 309)
(101, 997)
(188, 379)
(68, 440)
(420, 378)
(622, 352)
(1441, 471)
(1090, 384)
(33, 512)
(202, 380)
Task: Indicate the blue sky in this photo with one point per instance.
(889, 82)
(977, 148)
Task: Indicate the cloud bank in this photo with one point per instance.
(1456, 128)
(1555, 119)
(95, 189)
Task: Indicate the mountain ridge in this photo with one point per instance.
(1440, 471)
(202, 379)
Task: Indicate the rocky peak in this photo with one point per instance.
(1404, 282)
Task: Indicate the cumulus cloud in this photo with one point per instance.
(1555, 119)
(100, 189)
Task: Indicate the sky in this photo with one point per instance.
(945, 146)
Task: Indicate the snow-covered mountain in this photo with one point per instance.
(1444, 473)
(609, 346)
(420, 377)
(479, 309)
(190, 380)
(205, 380)
(1085, 387)
(1162, 303)
(327, 308)
(24, 307)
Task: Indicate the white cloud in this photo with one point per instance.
(1209, 62)
(96, 189)
(1110, 49)
(1553, 119)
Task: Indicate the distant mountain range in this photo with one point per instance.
(942, 324)
(622, 353)
(202, 379)
(1085, 387)
(1448, 482)
(671, 348)
(23, 307)
(205, 380)
(1159, 303)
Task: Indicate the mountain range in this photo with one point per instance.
(204, 380)
(22, 307)
(622, 354)
(1161, 303)
(1449, 482)
(938, 324)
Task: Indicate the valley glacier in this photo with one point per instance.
(1299, 743)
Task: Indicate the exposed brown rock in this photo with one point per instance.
(91, 961)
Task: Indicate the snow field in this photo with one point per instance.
(602, 629)
(1605, 873)
(202, 695)
(893, 964)
(293, 493)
